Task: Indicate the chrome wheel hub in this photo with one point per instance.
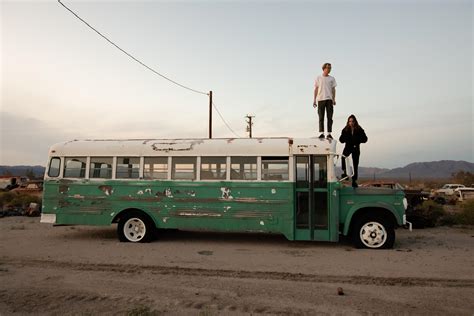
(373, 235)
(134, 229)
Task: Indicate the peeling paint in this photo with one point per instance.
(168, 193)
(274, 191)
(165, 219)
(262, 223)
(226, 194)
(140, 192)
(226, 208)
(107, 189)
(63, 188)
(112, 214)
(148, 190)
(196, 214)
(174, 146)
(78, 196)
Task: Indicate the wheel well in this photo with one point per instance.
(124, 212)
(373, 211)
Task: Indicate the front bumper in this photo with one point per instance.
(407, 224)
(48, 218)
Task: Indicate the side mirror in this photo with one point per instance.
(349, 167)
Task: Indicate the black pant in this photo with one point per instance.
(325, 106)
(355, 161)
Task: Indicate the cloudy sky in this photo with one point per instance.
(404, 68)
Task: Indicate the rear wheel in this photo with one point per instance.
(373, 232)
(135, 227)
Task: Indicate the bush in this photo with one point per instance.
(466, 216)
(6, 198)
(431, 213)
(17, 200)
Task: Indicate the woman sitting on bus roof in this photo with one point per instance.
(352, 135)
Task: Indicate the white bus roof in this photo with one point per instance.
(282, 146)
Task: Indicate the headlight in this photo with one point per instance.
(405, 203)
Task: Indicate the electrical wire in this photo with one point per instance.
(130, 55)
(223, 120)
(148, 67)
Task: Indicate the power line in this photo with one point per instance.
(129, 55)
(223, 120)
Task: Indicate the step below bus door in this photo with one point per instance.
(311, 197)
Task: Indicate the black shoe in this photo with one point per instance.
(321, 136)
(329, 137)
(344, 175)
(354, 184)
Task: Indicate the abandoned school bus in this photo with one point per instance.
(274, 185)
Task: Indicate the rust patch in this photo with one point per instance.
(63, 188)
(107, 189)
(194, 213)
(254, 214)
(63, 203)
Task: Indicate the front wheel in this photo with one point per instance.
(373, 233)
(135, 227)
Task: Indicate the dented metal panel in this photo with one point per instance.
(235, 206)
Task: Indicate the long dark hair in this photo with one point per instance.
(356, 124)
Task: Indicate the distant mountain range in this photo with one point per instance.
(22, 170)
(442, 169)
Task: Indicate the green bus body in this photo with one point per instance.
(229, 206)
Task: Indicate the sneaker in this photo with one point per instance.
(344, 175)
(322, 135)
(354, 184)
(329, 137)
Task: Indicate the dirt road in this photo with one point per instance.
(85, 270)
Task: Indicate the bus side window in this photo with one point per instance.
(156, 168)
(128, 168)
(183, 168)
(75, 167)
(54, 167)
(243, 168)
(213, 168)
(101, 167)
(275, 168)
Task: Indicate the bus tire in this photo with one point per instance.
(373, 232)
(135, 226)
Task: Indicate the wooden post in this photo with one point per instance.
(210, 114)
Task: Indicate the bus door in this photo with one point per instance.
(311, 198)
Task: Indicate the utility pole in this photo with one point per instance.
(249, 124)
(210, 114)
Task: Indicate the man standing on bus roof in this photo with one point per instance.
(325, 98)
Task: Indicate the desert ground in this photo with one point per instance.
(46, 270)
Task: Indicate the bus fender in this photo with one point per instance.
(117, 215)
(378, 205)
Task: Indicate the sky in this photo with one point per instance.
(404, 68)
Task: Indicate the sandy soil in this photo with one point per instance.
(86, 271)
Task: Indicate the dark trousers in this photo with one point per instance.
(325, 106)
(355, 161)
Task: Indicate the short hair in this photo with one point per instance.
(326, 65)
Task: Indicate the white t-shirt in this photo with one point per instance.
(325, 84)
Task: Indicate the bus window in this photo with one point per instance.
(320, 171)
(275, 168)
(156, 168)
(101, 168)
(75, 167)
(183, 168)
(54, 166)
(128, 168)
(243, 168)
(302, 172)
(213, 168)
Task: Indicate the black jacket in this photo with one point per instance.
(352, 141)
